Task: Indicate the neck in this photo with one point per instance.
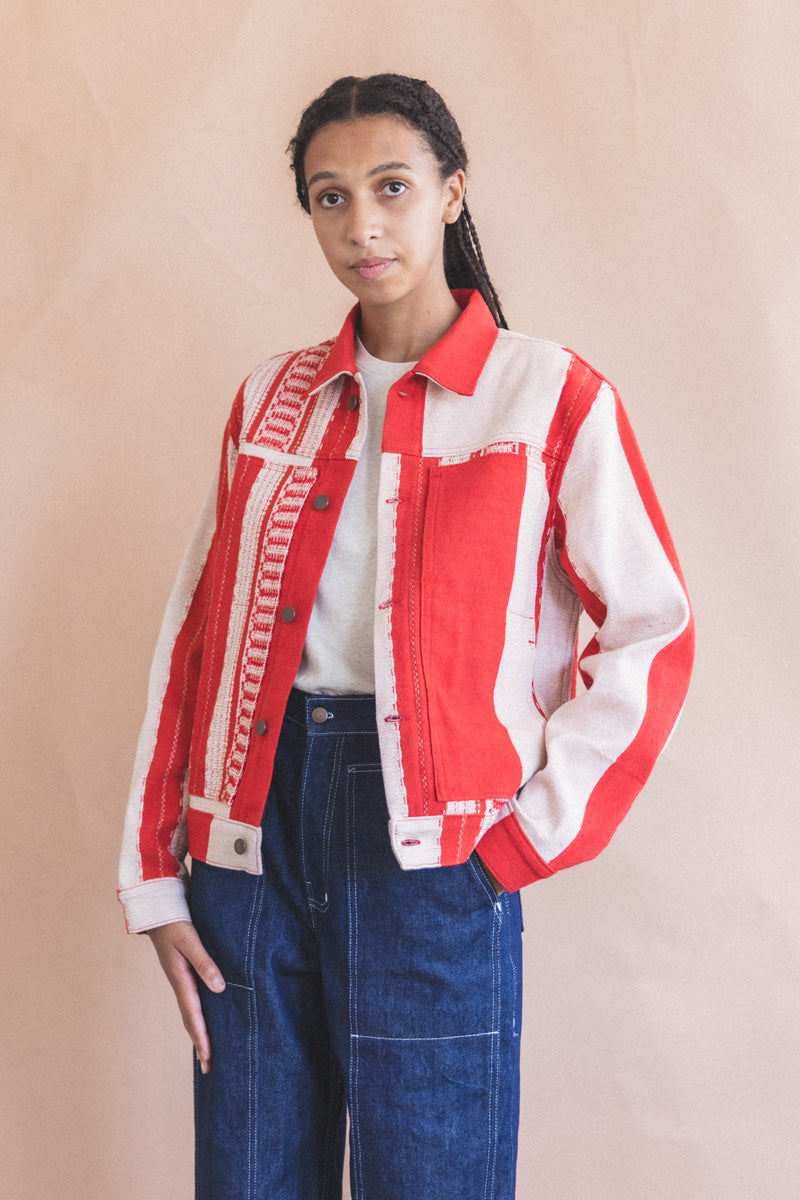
(404, 333)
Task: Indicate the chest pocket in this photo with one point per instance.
(469, 552)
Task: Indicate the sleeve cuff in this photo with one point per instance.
(510, 857)
(153, 903)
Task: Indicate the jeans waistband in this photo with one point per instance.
(332, 714)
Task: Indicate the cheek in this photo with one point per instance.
(325, 241)
(424, 231)
(431, 240)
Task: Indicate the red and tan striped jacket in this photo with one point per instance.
(512, 495)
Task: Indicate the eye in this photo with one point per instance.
(395, 187)
(329, 200)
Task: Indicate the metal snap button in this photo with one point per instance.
(352, 402)
(319, 715)
(240, 846)
(320, 502)
(288, 613)
(261, 728)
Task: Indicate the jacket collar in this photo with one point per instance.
(455, 362)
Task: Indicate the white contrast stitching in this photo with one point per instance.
(450, 1037)
(352, 990)
(252, 1040)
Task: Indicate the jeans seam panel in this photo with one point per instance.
(352, 987)
(332, 1125)
(497, 1015)
(352, 916)
(306, 767)
(329, 811)
(252, 1057)
(506, 906)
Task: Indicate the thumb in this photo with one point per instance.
(203, 964)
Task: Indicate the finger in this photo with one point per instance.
(181, 953)
(184, 984)
(203, 964)
(208, 971)
(194, 1022)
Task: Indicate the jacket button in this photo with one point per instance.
(319, 715)
(320, 502)
(240, 845)
(261, 728)
(352, 402)
(288, 613)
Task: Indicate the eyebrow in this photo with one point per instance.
(387, 166)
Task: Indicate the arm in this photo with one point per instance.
(152, 875)
(614, 550)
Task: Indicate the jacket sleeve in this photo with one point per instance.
(151, 872)
(611, 545)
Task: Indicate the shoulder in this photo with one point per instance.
(291, 372)
(560, 380)
(551, 389)
(299, 366)
(536, 353)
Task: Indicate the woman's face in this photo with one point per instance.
(379, 208)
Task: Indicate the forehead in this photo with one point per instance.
(356, 147)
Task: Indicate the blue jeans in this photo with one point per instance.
(353, 983)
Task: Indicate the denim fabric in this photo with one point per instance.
(352, 982)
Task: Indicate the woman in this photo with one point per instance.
(376, 622)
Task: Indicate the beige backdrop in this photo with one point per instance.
(635, 183)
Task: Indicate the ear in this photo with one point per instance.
(454, 189)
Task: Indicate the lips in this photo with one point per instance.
(371, 268)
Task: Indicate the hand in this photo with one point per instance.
(496, 884)
(183, 957)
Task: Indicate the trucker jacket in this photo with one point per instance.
(512, 498)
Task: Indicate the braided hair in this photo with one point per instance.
(421, 107)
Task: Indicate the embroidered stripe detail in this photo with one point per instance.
(235, 586)
(265, 603)
(286, 403)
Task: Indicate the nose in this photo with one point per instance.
(363, 221)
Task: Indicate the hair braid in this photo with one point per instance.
(470, 255)
(422, 108)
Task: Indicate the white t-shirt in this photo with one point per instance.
(338, 657)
